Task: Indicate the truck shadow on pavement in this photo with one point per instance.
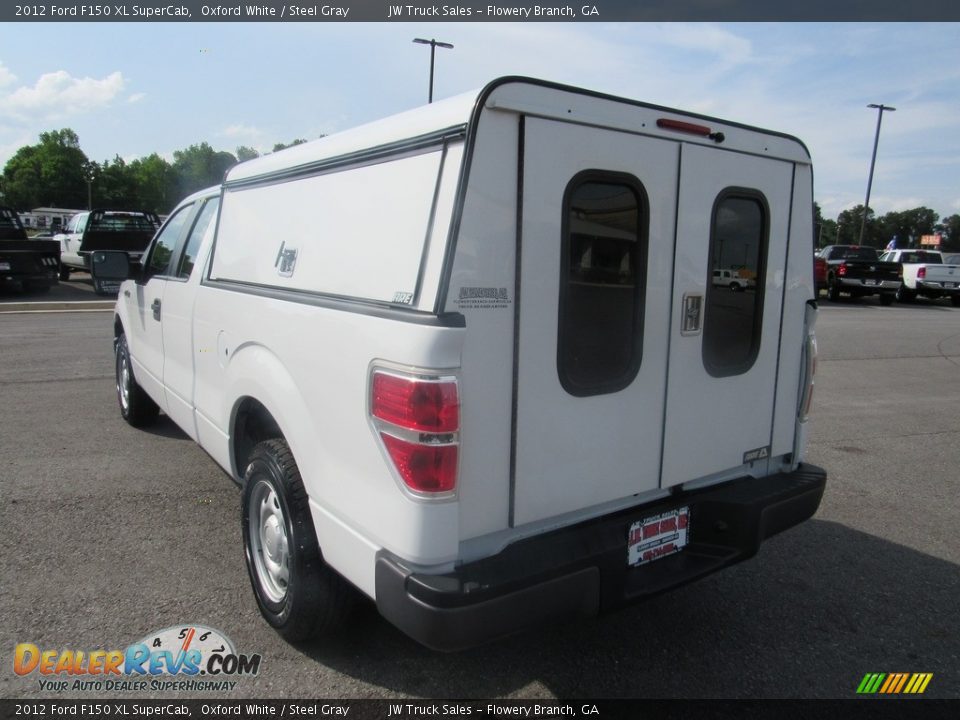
(815, 610)
(166, 428)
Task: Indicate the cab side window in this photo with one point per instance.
(201, 227)
(164, 243)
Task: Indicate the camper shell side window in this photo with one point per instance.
(602, 282)
(739, 238)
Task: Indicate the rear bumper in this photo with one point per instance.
(938, 287)
(859, 284)
(582, 570)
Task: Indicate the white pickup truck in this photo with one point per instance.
(924, 274)
(469, 362)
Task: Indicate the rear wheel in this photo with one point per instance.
(955, 300)
(136, 407)
(833, 291)
(64, 272)
(298, 594)
(905, 294)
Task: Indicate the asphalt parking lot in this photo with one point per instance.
(110, 533)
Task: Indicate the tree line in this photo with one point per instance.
(56, 172)
(907, 226)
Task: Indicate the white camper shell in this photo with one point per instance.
(471, 359)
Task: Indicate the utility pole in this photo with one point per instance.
(434, 44)
(873, 161)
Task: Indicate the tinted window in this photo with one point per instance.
(920, 257)
(603, 271)
(732, 318)
(199, 231)
(165, 242)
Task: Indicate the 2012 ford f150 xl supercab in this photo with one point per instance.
(481, 381)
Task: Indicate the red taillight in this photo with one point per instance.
(424, 468)
(415, 404)
(842, 269)
(922, 272)
(418, 421)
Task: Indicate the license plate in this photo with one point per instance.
(658, 536)
(946, 284)
(870, 282)
(4, 266)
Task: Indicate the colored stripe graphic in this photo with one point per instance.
(894, 683)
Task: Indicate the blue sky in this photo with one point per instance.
(130, 89)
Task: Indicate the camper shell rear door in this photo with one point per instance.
(634, 374)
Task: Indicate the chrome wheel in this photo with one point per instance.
(123, 379)
(271, 546)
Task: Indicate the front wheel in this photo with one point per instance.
(136, 407)
(297, 592)
(64, 273)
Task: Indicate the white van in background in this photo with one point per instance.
(469, 362)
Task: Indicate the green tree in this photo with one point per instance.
(283, 146)
(155, 184)
(245, 153)
(200, 166)
(849, 223)
(115, 185)
(48, 173)
(950, 227)
(907, 226)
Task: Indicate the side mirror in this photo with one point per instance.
(108, 269)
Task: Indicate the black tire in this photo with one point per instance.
(64, 273)
(297, 592)
(905, 294)
(955, 300)
(734, 287)
(833, 291)
(136, 407)
(886, 299)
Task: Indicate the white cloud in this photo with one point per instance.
(59, 94)
(6, 77)
(136, 97)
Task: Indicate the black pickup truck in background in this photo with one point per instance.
(87, 232)
(855, 270)
(24, 263)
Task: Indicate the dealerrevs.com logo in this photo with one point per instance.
(178, 658)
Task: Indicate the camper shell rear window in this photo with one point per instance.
(602, 282)
(733, 317)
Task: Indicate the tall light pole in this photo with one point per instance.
(873, 161)
(434, 44)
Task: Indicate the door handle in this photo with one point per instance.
(156, 308)
(691, 314)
